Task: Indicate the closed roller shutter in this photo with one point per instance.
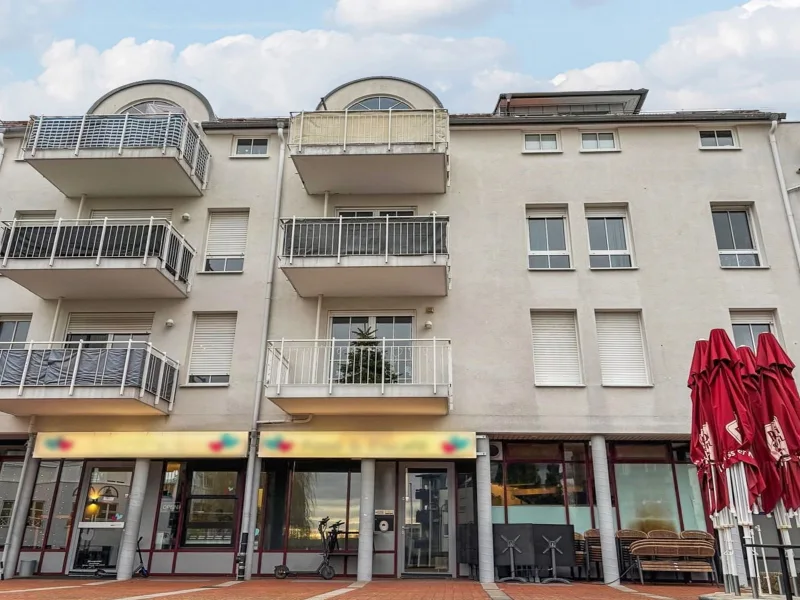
(138, 213)
(110, 323)
(212, 344)
(621, 348)
(556, 359)
(227, 234)
(752, 317)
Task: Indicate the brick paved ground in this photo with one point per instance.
(270, 589)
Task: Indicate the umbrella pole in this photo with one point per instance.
(783, 523)
(764, 559)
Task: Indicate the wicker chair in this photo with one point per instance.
(693, 534)
(594, 552)
(662, 534)
(580, 555)
(625, 537)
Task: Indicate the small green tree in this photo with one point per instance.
(365, 360)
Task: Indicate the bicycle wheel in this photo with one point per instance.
(144, 572)
(327, 572)
(281, 572)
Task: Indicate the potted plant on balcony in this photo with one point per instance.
(365, 360)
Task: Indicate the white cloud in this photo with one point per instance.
(405, 15)
(23, 21)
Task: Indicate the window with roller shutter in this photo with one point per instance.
(623, 361)
(747, 325)
(212, 348)
(226, 241)
(136, 213)
(556, 355)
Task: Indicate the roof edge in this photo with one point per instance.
(641, 92)
(360, 79)
(127, 86)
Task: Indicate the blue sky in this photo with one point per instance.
(268, 57)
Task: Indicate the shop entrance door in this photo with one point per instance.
(427, 527)
(104, 492)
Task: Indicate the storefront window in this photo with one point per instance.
(498, 504)
(262, 488)
(354, 511)
(315, 495)
(646, 497)
(211, 508)
(277, 493)
(39, 509)
(578, 505)
(9, 480)
(535, 493)
(169, 508)
(690, 496)
(64, 505)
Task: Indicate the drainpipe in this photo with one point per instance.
(787, 205)
(325, 205)
(54, 325)
(248, 521)
(22, 501)
(80, 206)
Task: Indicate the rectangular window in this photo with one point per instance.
(13, 329)
(548, 246)
(211, 508)
(609, 243)
(227, 240)
(717, 138)
(621, 348)
(748, 325)
(352, 363)
(212, 348)
(349, 213)
(735, 240)
(35, 215)
(169, 508)
(541, 142)
(556, 357)
(251, 146)
(598, 141)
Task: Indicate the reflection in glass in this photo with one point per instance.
(39, 509)
(691, 499)
(214, 483)
(169, 508)
(315, 495)
(580, 514)
(9, 481)
(64, 506)
(646, 497)
(425, 522)
(535, 493)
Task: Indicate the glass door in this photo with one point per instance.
(105, 492)
(428, 522)
(360, 356)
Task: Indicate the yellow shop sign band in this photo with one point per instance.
(367, 444)
(130, 444)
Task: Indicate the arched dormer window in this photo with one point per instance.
(379, 103)
(152, 107)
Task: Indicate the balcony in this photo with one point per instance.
(97, 258)
(119, 155)
(371, 152)
(86, 379)
(360, 377)
(367, 257)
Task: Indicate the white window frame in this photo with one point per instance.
(755, 316)
(241, 257)
(591, 212)
(556, 150)
(549, 213)
(754, 234)
(17, 319)
(235, 146)
(598, 132)
(371, 315)
(187, 379)
(734, 135)
(581, 374)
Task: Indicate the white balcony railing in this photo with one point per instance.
(365, 236)
(99, 239)
(81, 364)
(380, 362)
(120, 133)
(375, 127)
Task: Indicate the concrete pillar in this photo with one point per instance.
(19, 514)
(127, 549)
(253, 524)
(483, 484)
(605, 514)
(366, 525)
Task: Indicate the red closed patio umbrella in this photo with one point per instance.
(768, 467)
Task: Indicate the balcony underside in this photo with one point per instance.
(361, 400)
(80, 278)
(104, 173)
(354, 172)
(370, 276)
(85, 401)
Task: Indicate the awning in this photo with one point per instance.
(442, 445)
(135, 444)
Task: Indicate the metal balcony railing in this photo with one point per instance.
(338, 362)
(121, 132)
(79, 364)
(99, 239)
(365, 236)
(375, 127)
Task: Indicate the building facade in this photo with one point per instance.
(215, 332)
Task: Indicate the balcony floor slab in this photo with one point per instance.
(85, 401)
(361, 400)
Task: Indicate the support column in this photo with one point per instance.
(483, 483)
(254, 524)
(602, 487)
(366, 525)
(19, 514)
(127, 549)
